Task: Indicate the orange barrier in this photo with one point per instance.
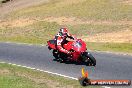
(85, 81)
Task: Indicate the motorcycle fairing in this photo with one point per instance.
(52, 44)
(78, 46)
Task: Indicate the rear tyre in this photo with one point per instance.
(63, 57)
(55, 54)
(58, 56)
(89, 60)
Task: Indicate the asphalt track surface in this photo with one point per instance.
(109, 66)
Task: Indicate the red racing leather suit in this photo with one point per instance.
(60, 40)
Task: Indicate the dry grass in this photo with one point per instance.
(39, 80)
(75, 21)
(4, 71)
(124, 36)
(22, 22)
(69, 2)
(127, 2)
(17, 23)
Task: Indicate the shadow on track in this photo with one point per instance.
(72, 62)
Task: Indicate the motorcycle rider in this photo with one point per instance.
(61, 39)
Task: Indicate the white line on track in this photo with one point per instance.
(45, 71)
(106, 87)
(41, 70)
(48, 71)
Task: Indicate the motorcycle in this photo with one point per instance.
(78, 50)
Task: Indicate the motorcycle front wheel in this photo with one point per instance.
(89, 59)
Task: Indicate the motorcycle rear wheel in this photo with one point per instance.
(58, 56)
(55, 54)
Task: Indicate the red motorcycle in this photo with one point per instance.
(78, 49)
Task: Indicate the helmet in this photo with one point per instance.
(63, 31)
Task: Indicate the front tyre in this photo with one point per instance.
(89, 59)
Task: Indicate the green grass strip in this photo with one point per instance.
(19, 77)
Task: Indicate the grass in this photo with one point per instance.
(98, 10)
(19, 77)
(86, 9)
(116, 47)
(36, 33)
(91, 29)
(1, 1)
(14, 82)
(42, 31)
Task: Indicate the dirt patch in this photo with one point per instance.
(21, 22)
(16, 23)
(4, 71)
(61, 20)
(68, 2)
(127, 2)
(76, 21)
(124, 36)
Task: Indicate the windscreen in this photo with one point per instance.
(77, 44)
